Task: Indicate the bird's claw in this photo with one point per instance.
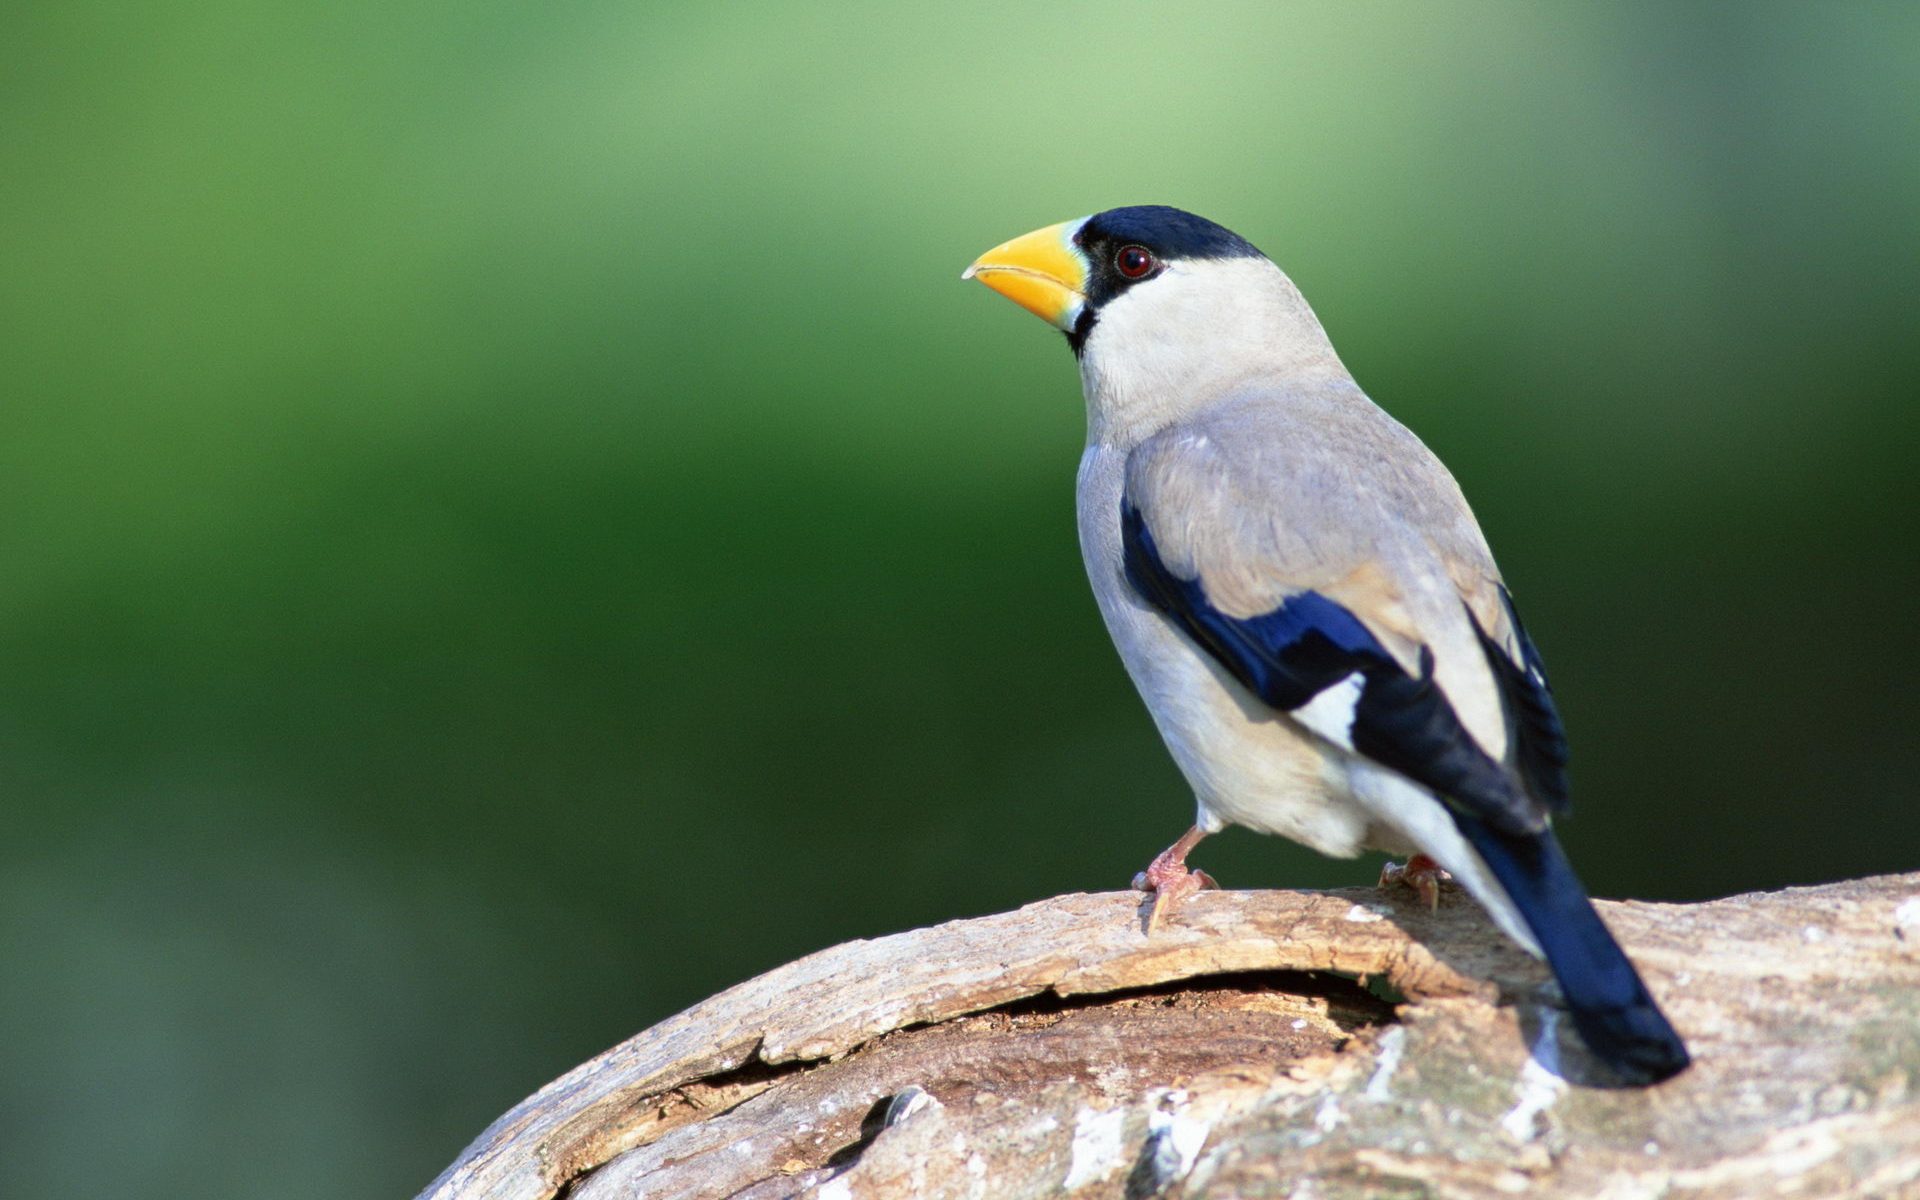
(1170, 881)
(1420, 873)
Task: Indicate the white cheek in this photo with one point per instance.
(1166, 346)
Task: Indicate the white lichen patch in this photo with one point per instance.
(1393, 1044)
(1906, 920)
(1540, 1083)
(1360, 914)
(835, 1189)
(1168, 1122)
(1097, 1150)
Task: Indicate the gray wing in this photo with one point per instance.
(1311, 543)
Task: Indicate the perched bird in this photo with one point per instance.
(1304, 600)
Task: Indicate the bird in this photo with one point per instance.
(1306, 603)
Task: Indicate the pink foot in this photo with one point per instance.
(1421, 873)
(1169, 879)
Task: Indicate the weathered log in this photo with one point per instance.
(1325, 1044)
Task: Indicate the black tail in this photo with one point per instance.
(1610, 1006)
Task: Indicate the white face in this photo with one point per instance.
(1170, 345)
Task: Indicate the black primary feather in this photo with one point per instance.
(1403, 721)
(1540, 740)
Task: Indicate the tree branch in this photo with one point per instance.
(1336, 1044)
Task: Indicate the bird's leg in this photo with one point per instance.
(1421, 873)
(1168, 878)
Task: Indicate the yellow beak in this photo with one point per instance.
(1043, 272)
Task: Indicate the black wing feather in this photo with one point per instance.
(1309, 643)
(1403, 721)
(1540, 740)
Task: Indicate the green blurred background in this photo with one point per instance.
(513, 523)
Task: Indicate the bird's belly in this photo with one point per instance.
(1247, 764)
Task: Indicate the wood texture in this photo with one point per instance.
(1324, 1044)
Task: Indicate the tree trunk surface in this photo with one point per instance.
(1301, 1044)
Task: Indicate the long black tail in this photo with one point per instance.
(1610, 1005)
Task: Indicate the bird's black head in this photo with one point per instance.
(1125, 247)
(1067, 273)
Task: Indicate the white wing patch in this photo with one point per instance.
(1330, 713)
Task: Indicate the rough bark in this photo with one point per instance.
(1323, 1044)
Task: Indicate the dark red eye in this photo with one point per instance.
(1133, 261)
